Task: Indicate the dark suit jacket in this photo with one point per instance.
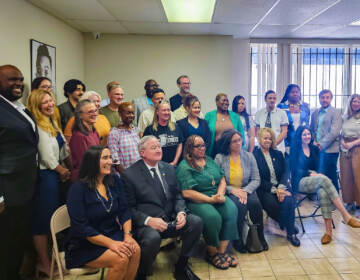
(184, 126)
(280, 168)
(145, 198)
(18, 156)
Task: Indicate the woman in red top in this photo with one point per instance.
(84, 134)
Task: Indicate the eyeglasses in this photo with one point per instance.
(199, 146)
(46, 87)
(154, 85)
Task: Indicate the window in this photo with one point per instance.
(263, 73)
(336, 68)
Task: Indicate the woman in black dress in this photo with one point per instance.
(100, 233)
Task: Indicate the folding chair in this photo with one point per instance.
(313, 214)
(60, 221)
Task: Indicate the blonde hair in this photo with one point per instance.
(155, 125)
(49, 124)
(349, 112)
(263, 130)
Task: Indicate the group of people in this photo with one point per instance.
(153, 169)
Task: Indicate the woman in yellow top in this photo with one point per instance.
(102, 124)
(242, 179)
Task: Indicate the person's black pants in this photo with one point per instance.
(282, 212)
(255, 211)
(150, 240)
(328, 167)
(14, 230)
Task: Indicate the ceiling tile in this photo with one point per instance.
(136, 10)
(101, 26)
(241, 11)
(76, 9)
(272, 31)
(315, 31)
(146, 27)
(291, 12)
(344, 12)
(348, 32)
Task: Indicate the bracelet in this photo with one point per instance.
(128, 232)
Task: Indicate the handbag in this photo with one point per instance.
(252, 241)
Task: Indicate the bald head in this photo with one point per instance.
(11, 82)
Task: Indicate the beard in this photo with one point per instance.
(8, 94)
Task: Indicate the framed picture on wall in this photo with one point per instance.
(43, 62)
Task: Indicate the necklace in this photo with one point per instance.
(102, 202)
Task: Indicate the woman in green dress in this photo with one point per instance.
(203, 186)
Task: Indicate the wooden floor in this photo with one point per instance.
(338, 260)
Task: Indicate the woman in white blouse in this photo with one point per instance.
(53, 151)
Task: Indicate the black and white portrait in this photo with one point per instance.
(43, 61)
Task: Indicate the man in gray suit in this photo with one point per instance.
(159, 210)
(325, 125)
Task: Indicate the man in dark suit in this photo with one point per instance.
(18, 170)
(326, 123)
(158, 209)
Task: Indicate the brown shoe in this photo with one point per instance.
(353, 222)
(326, 239)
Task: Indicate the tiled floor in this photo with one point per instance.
(338, 260)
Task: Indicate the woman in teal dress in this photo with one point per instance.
(203, 186)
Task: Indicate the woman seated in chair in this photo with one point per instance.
(275, 198)
(304, 159)
(100, 233)
(242, 179)
(203, 186)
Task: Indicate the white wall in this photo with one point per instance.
(20, 22)
(132, 59)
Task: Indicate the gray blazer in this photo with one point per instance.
(330, 129)
(140, 104)
(251, 177)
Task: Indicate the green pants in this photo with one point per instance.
(220, 220)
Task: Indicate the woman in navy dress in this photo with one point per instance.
(100, 232)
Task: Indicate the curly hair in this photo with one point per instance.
(188, 151)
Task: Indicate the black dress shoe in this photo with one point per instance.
(185, 274)
(293, 240)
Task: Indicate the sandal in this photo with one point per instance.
(230, 260)
(217, 261)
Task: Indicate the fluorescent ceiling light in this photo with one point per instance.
(189, 10)
(357, 22)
